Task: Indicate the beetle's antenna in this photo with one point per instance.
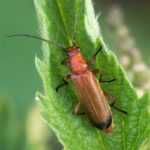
(39, 38)
(76, 22)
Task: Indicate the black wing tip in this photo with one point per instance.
(104, 125)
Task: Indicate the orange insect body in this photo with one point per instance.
(90, 95)
(77, 62)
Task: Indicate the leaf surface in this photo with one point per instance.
(57, 20)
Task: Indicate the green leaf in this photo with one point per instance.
(57, 20)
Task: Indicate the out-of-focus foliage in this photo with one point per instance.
(34, 134)
(12, 135)
(129, 56)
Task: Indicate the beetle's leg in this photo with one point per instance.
(76, 109)
(113, 106)
(65, 82)
(94, 57)
(95, 71)
(103, 81)
(65, 62)
(113, 103)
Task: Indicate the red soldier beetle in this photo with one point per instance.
(91, 97)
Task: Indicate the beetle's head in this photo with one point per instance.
(73, 50)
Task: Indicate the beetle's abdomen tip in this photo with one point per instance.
(105, 126)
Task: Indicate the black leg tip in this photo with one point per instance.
(109, 81)
(57, 89)
(126, 113)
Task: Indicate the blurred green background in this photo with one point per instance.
(19, 79)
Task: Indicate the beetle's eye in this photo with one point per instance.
(68, 53)
(78, 48)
